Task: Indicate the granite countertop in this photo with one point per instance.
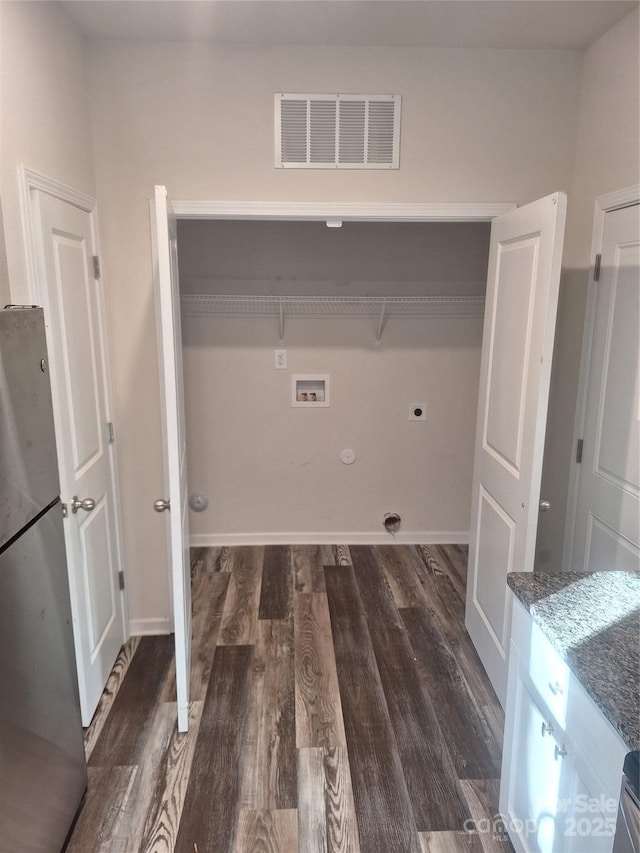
(593, 622)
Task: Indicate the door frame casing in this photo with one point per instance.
(604, 204)
(340, 212)
(31, 181)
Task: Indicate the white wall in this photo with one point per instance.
(607, 159)
(361, 258)
(273, 471)
(483, 125)
(44, 115)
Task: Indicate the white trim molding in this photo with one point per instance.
(336, 212)
(425, 537)
(604, 204)
(28, 181)
(149, 627)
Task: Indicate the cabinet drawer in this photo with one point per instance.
(545, 668)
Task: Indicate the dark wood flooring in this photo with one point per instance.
(338, 705)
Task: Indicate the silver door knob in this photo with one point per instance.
(87, 504)
(161, 505)
(544, 506)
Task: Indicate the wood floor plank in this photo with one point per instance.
(122, 738)
(114, 682)
(211, 806)
(384, 814)
(341, 555)
(431, 558)
(433, 787)
(128, 838)
(340, 810)
(401, 567)
(225, 561)
(453, 558)
(240, 615)
(275, 593)
(482, 797)
(208, 595)
(318, 710)
(450, 842)
(312, 821)
(163, 816)
(447, 608)
(326, 810)
(493, 716)
(464, 731)
(204, 559)
(108, 788)
(269, 776)
(307, 565)
(267, 831)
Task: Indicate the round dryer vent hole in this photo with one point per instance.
(391, 522)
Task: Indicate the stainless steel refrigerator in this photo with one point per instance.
(43, 774)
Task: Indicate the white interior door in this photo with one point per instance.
(74, 314)
(606, 532)
(171, 381)
(520, 313)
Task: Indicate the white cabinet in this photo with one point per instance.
(562, 761)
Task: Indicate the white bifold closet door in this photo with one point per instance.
(519, 326)
(175, 499)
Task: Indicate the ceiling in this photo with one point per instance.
(395, 23)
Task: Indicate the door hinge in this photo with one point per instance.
(96, 266)
(111, 432)
(121, 580)
(579, 451)
(596, 268)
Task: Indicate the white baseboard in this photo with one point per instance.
(145, 627)
(422, 537)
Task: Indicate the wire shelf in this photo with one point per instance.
(383, 307)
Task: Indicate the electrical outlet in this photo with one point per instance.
(418, 412)
(280, 359)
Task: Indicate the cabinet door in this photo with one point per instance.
(537, 777)
(587, 811)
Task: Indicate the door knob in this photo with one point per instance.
(87, 504)
(544, 506)
(161, 505)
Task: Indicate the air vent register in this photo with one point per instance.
(337, 131)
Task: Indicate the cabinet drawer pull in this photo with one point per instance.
(547, 729)
(559, 752)
(555, 688)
